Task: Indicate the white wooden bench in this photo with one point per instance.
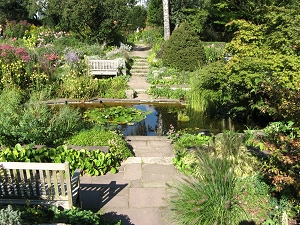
(99, 67)
(39, 184)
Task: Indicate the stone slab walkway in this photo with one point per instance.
(136, 195)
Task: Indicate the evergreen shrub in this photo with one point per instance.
(184, 50)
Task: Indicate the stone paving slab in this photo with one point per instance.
(133, 171)
(142, 216)
(137, 193)
(147, 197)
(157, 160)
(154, 147)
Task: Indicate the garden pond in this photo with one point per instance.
(159, 117)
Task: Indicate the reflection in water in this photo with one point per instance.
(147, 127)
(158, 122)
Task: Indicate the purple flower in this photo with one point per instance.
(71, 57)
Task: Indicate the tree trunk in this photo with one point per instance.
(166, 19)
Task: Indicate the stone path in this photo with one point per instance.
(139, 72)
(136, 195)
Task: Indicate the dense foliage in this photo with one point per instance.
(34, 122)
(155, 13)
(247, 194)
(260, 77)
(184, 50)
(13, 214)
(281, 167)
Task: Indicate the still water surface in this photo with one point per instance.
(158, 122)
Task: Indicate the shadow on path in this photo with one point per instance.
(114, 217)
(95, 196)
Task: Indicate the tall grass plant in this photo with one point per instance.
(209, 197)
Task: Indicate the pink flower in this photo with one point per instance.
(25, 58)
(3, 54)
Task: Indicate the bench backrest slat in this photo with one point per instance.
(104, 64)
(62, 184)
(42, 181)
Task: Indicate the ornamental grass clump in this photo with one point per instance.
(208, 198)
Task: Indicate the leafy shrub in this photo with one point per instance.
(93, 162)
(113, 87)
(77, 216)
(100, 137)
(207, 93)
(78, 87)
(168, 76)
(263, 72)
(151, 35)
(184, 50)
(214, 51)
(281, 167)
(254, 197)
(14, 29)
(167, 92)
(184, 143)
(227, 145)
(190, 140)
(34, 122)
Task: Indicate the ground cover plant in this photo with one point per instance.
(13, 214)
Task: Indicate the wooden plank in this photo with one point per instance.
(62, 183)
(68, 184)
(75, 182)
(37, 186)
(16, 185)
(22, 183)
(49, 191)
(43, 185)
(55, 184)
(1, 181)
(29, 183)
(9, 183)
